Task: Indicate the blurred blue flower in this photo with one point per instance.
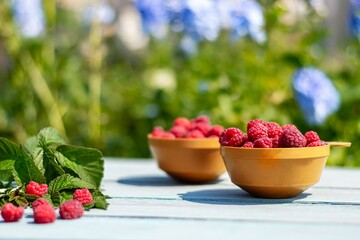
(315, 94)
(29, 17)
(355, 18)
(100, 11)
(247, 19)
(154, 15)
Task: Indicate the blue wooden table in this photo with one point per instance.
(147, 204)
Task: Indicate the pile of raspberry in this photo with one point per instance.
(43, 211)
(199, 127)
(263, 134)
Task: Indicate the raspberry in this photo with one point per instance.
(248, 145)
(11, 213)
(256, 123)
(292, 137)
(44, 213)
(195, 134)
(286, 126)
(316, 144)
(202, 127)
(202, 119)
(274, 130)
(71, 209)
(167, 135)
(39, 202)
(183, 122)
(178, 131)
(275, 142)
(264, 142)
(83, 195)
(311, 136)
(257, 132)
(36, 189)
(157, 131)
(216, 130)
(232, 137)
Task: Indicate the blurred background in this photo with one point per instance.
(104, 73)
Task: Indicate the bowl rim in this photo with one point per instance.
(194, 143)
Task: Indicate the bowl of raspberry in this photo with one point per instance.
(189, 151)
(273, 161)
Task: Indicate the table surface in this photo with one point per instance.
(146, 204)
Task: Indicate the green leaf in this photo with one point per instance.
(99, 200)
(24, 169)
(67, 181)
(50, 164)
(50, 136)
(87, 163)
(6, 167)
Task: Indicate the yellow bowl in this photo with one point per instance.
(275, 172)
(188, 160)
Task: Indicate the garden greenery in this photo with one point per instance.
(81, 72)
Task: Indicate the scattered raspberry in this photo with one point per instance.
(216, 130)
(183, 122)
(40, 201)
(256, 123)
(232, 137)
(316, 144)
(71, 209)
(311, 136)
(37, 189)
(275, 142)
(292, 137)
(178, 131)
(259, 131)
(195, 134)
(83, 195)
(157, 131)
(44, 213)
(274, 130)
(11, 213)
(264, 142)
(248, 145)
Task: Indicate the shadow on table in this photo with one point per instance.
(156, 181)
(232, 197)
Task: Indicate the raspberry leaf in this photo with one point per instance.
(67, 181)
(87, 163)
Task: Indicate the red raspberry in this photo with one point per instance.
(274, 130)
(178, 131)
(195, 134)
(202, 119)
(183, 122)
(311, 136)
(71, 209)
(44, 213)
(316, 144)
(254, 133)
(256, 123)
(275, 142)
(216, 130)
(36, 189)
(83, 195)
(167, 135)
(11, 213)
(286, 126)
(292, 137)
(248, 145)
(202, 127)
(39, 202)
(232, 137)
(264, 142)
(157, 131)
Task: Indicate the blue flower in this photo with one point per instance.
(315, 94)
(154, 16)
(355, 18)
(247, 19)
(29, 17)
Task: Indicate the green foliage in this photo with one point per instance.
(84, 82)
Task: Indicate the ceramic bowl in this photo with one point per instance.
(188, 160)
(275, 172)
